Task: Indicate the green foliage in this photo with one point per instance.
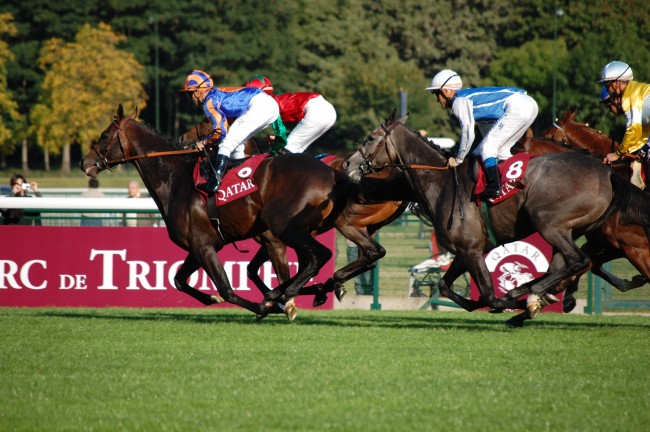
(84, 83)
(9, 116)
(358, 53)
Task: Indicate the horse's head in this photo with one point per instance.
(109, 150)
(370, 158)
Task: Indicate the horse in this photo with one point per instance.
(296, 195)
(357, 222)
(616, 239)
(563, 196)
(568, 131)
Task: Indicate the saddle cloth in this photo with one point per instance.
(511, 172)
(236, 183)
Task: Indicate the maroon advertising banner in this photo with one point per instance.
(120, 267)
(513, 264)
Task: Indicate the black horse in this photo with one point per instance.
(296, 196)
(563, 196)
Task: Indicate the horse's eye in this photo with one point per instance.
(369, 138)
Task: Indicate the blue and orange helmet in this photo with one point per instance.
(196, 80)
(261, 82)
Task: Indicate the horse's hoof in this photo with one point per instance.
(216, 299)
(340, 293)
(496, 310)
(291, 310)
(319, 299)
(568, 304)
(533, 305)
(548, 299)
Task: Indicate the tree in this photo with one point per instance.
(85, 81)
(9, 115)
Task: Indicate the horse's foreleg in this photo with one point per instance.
(456, 269)
(189, 266)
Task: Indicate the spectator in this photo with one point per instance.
(138, 219)
(92, 219)
(20, 188)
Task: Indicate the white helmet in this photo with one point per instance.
(616, 71)
(446, 79)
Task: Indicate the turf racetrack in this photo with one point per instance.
(215, 369)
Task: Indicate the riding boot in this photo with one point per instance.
(214, 180)
(493, 184)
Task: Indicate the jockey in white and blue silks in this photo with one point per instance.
(512, 110)
(251, 109)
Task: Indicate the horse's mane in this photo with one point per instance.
(172, 142)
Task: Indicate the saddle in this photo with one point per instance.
(511, 171)
(237, 182)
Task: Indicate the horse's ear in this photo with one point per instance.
(392, 117)
(120, 112)
(574, 111)
(403, 119)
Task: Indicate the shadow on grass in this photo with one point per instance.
(478, 321)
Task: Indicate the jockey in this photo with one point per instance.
(511, 108)
(309, 113)
(631, 98)
(251, 109)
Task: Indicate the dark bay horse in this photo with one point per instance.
(563, 196)
(296, 195)
(357, 222)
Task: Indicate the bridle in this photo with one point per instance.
(127, 147)
(388, 143)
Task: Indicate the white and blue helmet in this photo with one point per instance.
(447, 79)
(616, 71)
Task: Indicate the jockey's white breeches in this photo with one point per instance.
(520, 113)
(261, 112)
(320, 115)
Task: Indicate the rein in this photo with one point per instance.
(125, 140)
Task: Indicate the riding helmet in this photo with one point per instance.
(196, 80)
(616, 71)
(447, 79)
(260, 82)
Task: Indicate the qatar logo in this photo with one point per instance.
(514, 264)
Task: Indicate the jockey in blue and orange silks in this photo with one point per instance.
(249, 109)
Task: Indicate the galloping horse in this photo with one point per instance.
(357, 222)
(296, 195)
(563, 196)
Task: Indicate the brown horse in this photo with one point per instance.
(568, 131)
(357, 222)
(296, 196)
(564, 196)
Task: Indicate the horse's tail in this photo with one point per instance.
(632, 203)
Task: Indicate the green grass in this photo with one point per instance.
(180, 369)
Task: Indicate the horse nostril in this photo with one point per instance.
(346, 164)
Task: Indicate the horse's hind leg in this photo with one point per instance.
(189, 266)
(369, 253)
(312, 256)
